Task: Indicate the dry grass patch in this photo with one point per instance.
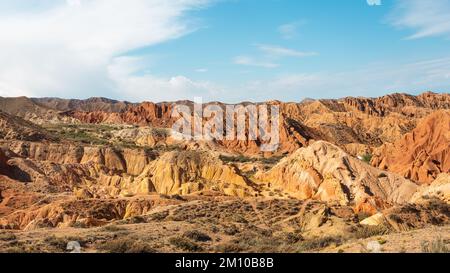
(185, 244)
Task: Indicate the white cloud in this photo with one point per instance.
(74, 2)
(270, 53)
(428, 18)
(65, 48)
(201, 70)
(249, 61)
(374, 2)
(134, 86)
(290, 30)
(278, 51)
(373, 80)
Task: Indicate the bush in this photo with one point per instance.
(396, 218)
(7, 237)
(370, 231)
(239, 219)
(272, 160)
(244, 159)
(197, 236)
(127, 246)
(236, 159)
(112, 228)
(292, 238)
(59, 243)
(231, 230)
(362, 216)
(141, 247)
(184, 244)
(228, 248)
(319, 243)
(367, 158)
(137, 220)
(159, 216)
(436, 246)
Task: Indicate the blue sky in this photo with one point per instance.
(227, 50)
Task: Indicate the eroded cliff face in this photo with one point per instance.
(344, 122)
(439, 189)
(422, 154)
(192, 171)
(106, 172)
(15, 128)
(146, 113)
(325, 172)
(399, 103)
(59, 182)
(130, 161)
(69, 212)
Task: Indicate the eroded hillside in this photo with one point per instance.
(105, 171)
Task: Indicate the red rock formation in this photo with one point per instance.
(348, 121)
(396, 102)
(422, 154)
(324, 172)
(146, 113)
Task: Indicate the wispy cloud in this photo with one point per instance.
(290, 30)
(249, 61)
(372, 80)
(271, 55)
(138, 87)
(278, 51)
(428, 18)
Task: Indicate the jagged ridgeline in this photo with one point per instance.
(344, 170)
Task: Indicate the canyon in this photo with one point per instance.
(109, 170)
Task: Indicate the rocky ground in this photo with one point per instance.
(109, 175)
(226, 224)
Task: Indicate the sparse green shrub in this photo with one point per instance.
(184, 244)
(141, 247)
(367, 158)
(363, 215)
(319, 243)
(236, 159)
(244, 159)
(197, 236)
(370, 231)
(228, 248)
(396, 218)
(137, 220)
(292, 238)
(126, 245)
(59, 243)
(272, 160)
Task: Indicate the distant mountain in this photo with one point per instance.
(88, 105)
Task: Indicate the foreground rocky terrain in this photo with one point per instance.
(111, 176)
